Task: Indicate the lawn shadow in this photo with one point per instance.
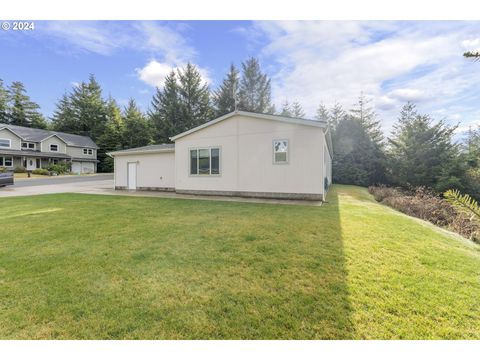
(337, 305)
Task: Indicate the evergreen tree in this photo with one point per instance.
(286, 109)
(138, 129)
(89, 109)
(226, 95)
(166, 112)
(471, 179)
(358, 150)
(194, 97)
(297, 110)
(337, 113)
(422, 152)
(23, 111)
(63, 118)
(113, 136)
(354, 154)
(4, 110)
(323, 114)
(255, 89)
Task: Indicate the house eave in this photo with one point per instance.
(285, 119)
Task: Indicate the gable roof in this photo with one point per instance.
(149, 149)
(286, 119)
(38, 135)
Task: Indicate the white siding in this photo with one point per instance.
(246, 157)
(153, 170)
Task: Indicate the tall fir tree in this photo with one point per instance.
(138, 129)
(255, 88)
(194, 97)
(226, 96)
(322, 114)
(4, 110)
(23, 111)
(286, 109)
(337, 113)
(63, 118)
(113, 137)
(165, 112)
(297, 110)
(358, 149)
(89, 109)
(422, 152)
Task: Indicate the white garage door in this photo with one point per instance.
(80, 167)
(76, 167)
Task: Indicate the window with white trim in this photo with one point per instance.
(205, 161)
(280, 151)
(54, 147)
(87, 152)
(5, 143)
(27, 145)
(6, 161)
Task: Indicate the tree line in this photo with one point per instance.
(184, 101)
(419, 151)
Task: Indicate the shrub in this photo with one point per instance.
(19, 169)
(425, 204)
(59, 168)
(40, 172)
(3, 169)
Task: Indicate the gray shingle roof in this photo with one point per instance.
(37, 135)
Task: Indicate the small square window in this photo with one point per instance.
(8, 161)
(53, 147)
(31, 145)
(90, 152)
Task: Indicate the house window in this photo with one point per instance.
(26, 145)
(280, 151)
(205, 161)
(87, 152)
(90, 152)
(53, 147)
(55, 161)
(5, 143)
(6, 161)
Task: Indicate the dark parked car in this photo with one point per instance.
(6, 178)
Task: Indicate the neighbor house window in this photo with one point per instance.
(205, 161)
(90, 152)
(280, 151)
(53, 147)
(30, 146)
(87, 152)
(7, 161)
(5, 143)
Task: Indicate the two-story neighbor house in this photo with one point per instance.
(36, 148)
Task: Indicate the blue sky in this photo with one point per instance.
(309, 61)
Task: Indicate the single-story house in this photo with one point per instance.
(32, 149)
(238, 154)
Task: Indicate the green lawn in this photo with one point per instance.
(112, 267)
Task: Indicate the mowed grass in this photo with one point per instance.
(108, 267)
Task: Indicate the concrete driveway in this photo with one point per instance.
(61, 184)
(102, 184)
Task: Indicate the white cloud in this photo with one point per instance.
(391, 62)
(407, 94)
(154, 73)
